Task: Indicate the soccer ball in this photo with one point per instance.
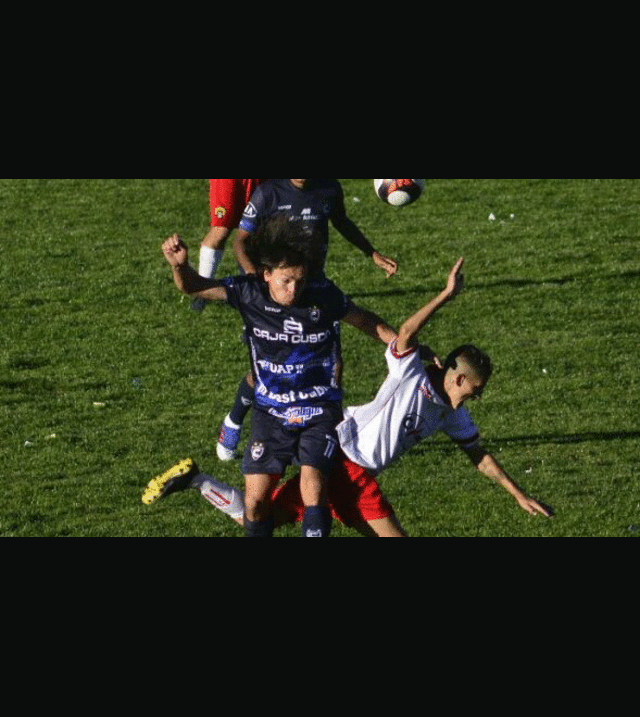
(399, 192)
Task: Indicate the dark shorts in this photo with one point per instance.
(273, 446)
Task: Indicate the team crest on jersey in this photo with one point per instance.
(250, 212)
(314, 314)
(257, 451)
(220, 212)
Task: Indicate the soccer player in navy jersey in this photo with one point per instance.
(315, 204)
(294, 345)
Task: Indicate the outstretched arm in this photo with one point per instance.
(240, 251)
(371, 325)
(353, 235)
(490, 467)
(408, 335)
(186, 277)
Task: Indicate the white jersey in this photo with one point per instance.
(406, 410)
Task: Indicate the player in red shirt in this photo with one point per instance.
(228, 199)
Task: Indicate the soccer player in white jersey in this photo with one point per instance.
(414, 402)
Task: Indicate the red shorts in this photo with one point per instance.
(228, 199)
(354, 495)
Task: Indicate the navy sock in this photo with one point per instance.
(258, 529)
(317, 522)
(244, 401)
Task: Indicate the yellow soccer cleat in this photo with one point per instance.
(176, 479)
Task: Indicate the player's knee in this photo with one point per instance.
(313, 488)
(216, 238)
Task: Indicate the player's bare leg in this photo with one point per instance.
(388, 528)
(381, 528)
(313, 486)
(216, 238)
(258, 518)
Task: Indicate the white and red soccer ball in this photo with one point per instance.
(399, 192)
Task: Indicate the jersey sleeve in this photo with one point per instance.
(338, 303)
(461, 429)
(338, 209)
(403, 364)
(255, 211)
(236, 291)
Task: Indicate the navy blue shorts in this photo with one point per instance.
(274, 445)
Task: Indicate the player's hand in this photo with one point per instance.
(427, 355)
(175, 251)
(386, 264)
(533, 507)
(455, 284)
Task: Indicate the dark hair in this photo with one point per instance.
(477, 359)
(282, 241)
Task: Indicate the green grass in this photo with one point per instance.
(90, 316)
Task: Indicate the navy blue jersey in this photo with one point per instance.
(320, 202)
(295, 351)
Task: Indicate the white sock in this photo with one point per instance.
(209, 261)
(226, 499)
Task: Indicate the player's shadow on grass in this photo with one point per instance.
(557, 281)
(394, 292)
(426, 289)
(587, 437)
(491, 444)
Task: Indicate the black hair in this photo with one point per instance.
(282, 241)
(472, 355)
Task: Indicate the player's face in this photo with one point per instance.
(299, 183)
(461, 388)
(285, 284)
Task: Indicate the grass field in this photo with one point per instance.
(107, 377)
